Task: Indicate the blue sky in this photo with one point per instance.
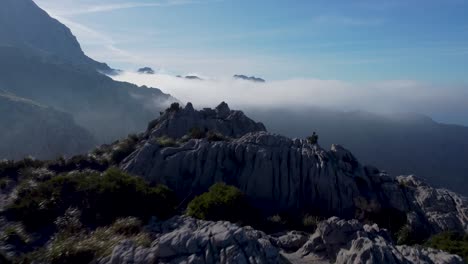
(354, 41)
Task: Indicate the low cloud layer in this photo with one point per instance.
(447, 104)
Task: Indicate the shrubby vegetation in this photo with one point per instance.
(12, 169)
(101, 198)
(455, 243)
(196, 133)
(75, 244)
(124, 148)
(215, 136)
(166, 142)
(79, 162)
(221, 202)
(224, 202)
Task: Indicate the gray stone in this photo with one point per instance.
(187, 240)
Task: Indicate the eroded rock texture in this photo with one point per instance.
(282, 174)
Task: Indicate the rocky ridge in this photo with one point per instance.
(281, 174)
(186, 240)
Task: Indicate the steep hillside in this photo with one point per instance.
(106, 108)
(28, 128)
(24, 24)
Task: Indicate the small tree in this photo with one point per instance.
(313, 139)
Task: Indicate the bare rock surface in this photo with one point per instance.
(221, 119)
(187, 240)
(350, 242)
(282, 174)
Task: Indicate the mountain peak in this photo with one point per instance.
(41, 33)
(176, 122)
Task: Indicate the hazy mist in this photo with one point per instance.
(446, 104)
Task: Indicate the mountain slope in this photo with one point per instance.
(24, 24)
(42, 132)
(399, 144)
(107, 108)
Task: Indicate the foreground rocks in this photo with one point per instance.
(281, 174)
(186, 240)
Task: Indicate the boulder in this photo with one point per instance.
(187, 240)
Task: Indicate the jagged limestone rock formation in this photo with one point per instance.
(187, 240)
(282, 174)
(222, 119)
(350, 242)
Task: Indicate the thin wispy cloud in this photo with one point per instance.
(83, 7)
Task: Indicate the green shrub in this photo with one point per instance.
(127, 226)
(166, 142)
(214, 136)
(196, 133)
(101, 199)
(83, 247)
(15, 234)
(452, 242)
(12, 168)
(221, 202)
(79, 162)
(404, 236)
(124, 149)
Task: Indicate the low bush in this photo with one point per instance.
(101, 199)
(79, 162)
(221, 202)
(124, 148)
(12, 169)
(84, 247)
(452, 242)
(214, 136)
(166, 142)
(196, 133)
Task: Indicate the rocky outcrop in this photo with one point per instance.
(187, 240)
(350, 242)
(282, 174)
(222, 119)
